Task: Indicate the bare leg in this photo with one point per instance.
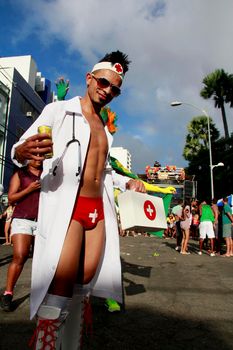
(91, 252)
(228, 243)
(178, 234)
(6, 231)
(67, 268)
(231, 240)
(201, 244)
(173, 232)
(183, 241)
(212, 244)
(56, 303)
(186, 240)
(93, 246)
(21, 249)
(79, 257)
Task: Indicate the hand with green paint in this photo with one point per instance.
(62, 88)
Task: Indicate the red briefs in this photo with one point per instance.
(88, 211)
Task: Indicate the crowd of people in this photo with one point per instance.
(209, 222)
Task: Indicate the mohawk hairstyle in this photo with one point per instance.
(117, 57)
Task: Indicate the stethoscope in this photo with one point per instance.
(73, 140)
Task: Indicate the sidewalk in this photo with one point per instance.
(172, 301)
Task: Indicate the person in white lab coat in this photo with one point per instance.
(77, 239)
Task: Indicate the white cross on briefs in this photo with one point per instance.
(149, 210)
(93, 216)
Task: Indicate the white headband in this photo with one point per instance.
(116, 67)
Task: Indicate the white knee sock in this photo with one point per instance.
(57, 301)
(74, 322)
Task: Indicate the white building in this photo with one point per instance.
(25, 65)
(23, 95)
(122, 155)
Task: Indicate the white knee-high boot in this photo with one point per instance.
(72, 334)
(51, 318)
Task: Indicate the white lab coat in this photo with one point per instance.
(57, 199)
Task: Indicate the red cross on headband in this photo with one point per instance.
(116, 67)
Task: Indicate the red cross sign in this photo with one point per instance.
(118, 68)
(93, 216)
(149, 210)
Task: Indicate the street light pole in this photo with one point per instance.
(212, 185)
(178, 103)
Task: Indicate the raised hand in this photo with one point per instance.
(62, 88)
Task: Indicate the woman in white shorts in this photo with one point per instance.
(24, 191)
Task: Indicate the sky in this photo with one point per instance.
(172, 45)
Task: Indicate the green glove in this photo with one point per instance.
(62, 88)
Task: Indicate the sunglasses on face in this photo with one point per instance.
(104, 83)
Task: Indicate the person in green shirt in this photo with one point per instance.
(227, 222)
(206, 226)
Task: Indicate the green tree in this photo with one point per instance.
(197, 137)
(218, 85)
(229, 95)
(222, 151)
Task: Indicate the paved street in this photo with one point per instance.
(172, 301)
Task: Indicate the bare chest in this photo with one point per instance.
(98, 139)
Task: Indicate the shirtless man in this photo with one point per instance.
(77, 237)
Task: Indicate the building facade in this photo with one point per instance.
(23, 95)
(122, 155)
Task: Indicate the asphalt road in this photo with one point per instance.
(172, 301)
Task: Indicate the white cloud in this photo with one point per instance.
(173, 44)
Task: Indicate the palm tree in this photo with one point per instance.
(197, 137)
(218, 85)
(229, 95)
